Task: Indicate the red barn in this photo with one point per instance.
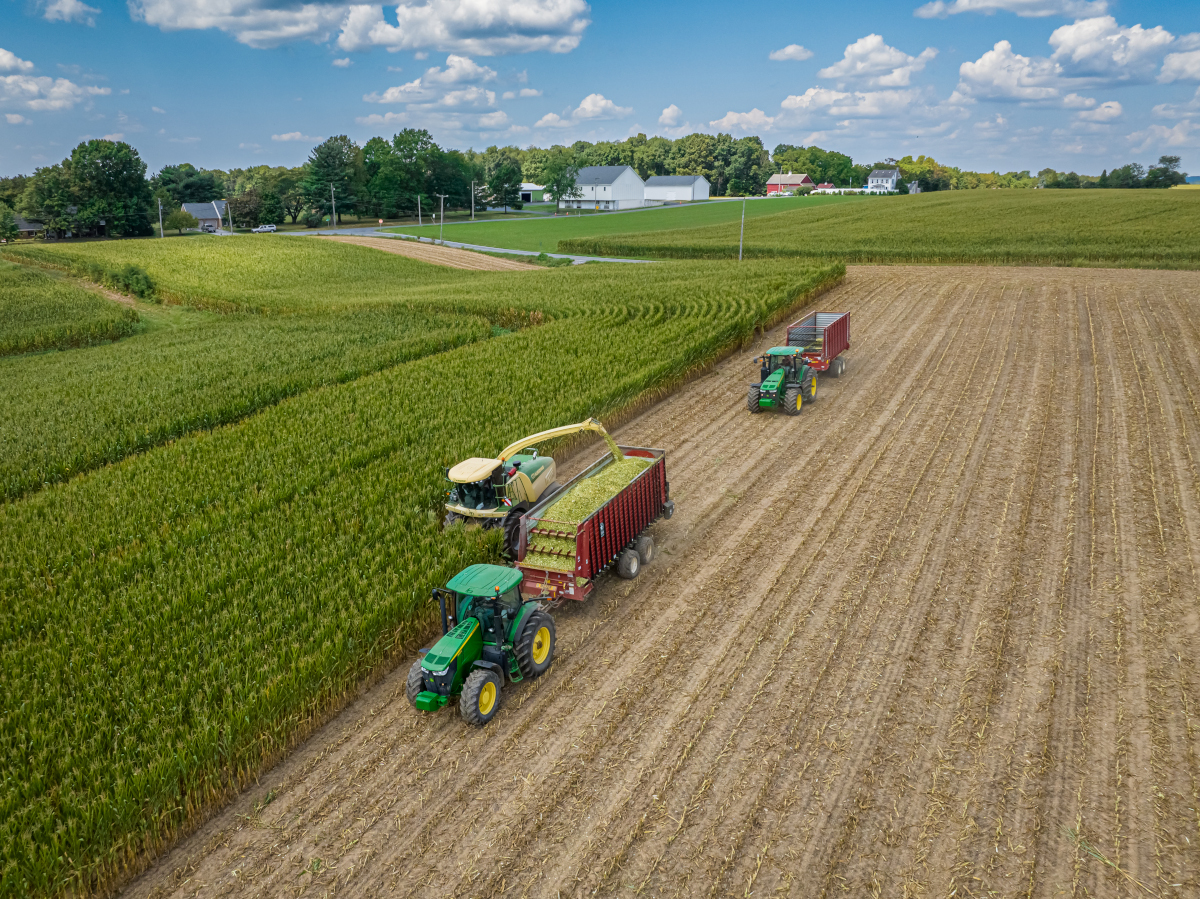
(778, 184)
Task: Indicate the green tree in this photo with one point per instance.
(184, 183)
(747, 168)
(1165, 174)
(180, 221)
(11, 190)
(823, 166)
(271, 211)
(336, 163)
(109, 182)
(246, 208)
(502, 171)
(8, 222)
(49, 198)
(559, 171)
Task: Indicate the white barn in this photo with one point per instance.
(608, 187)
(676, 188)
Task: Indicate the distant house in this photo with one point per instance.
(608, 187)
(532, 193)
(825, 186)
(789, 183)
(882, 181)
(207, 213)
(676, 188)
(26, 228)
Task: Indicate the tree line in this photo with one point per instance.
(103, 188)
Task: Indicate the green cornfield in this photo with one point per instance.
(1114, 228)
(176, 620)
(41, 312)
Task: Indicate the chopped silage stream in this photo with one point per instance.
(576, 505)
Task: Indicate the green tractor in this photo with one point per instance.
(490, 636)
(786, 381)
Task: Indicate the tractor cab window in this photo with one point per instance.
(481, 607)
(479, 495)
(777, 362)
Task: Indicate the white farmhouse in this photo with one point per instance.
(608, 187)
(676, 188)
(882, 181)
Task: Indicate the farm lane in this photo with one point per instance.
(930, 635)
(448, 256)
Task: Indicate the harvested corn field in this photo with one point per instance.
(935, 636)
(436, 255)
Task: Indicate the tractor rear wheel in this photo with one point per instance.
(416, 682)
(752, 400)
(629, 565)
(644, 547)
(512, 530)
(480, 698)
(808, 386)
(792, 401)
(535, 645)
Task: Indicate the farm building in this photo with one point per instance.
(608, 187)
(207, 213)
(532, 193)
(26, 228)
(676, 188)
(883, 181)
(778, 184)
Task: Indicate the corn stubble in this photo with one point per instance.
(174, 622)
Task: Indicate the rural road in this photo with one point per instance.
(919, 640)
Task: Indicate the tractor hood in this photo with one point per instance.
(448, 650)
(772, 381)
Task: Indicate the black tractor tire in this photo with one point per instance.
(837, 367)
(644, 547)
(668, 508)
(452, 518)
(629, 564)
(416, 682)
(752, 401)
(512, 529)
(480, 699)
(809, 387)
(535, 645)
(793, 400)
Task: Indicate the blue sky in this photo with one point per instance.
(982, 84)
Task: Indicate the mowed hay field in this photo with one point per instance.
(936, 636)
(1109, 228)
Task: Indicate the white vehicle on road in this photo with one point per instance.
(263, 229)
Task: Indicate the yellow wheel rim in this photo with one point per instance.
(814, 395)
(487, 698)
(799, 400)
(541, 645)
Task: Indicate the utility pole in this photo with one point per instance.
(442, 219)
(161, 233)
(419, 209)
(472, 201)
(743, 232)
(333, 201)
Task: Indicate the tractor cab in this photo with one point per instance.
(490, 636)
(787, 360)
(489, 488)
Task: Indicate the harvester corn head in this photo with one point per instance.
(490, 636)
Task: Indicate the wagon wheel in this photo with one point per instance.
(512, 530)
(644, 547)
(629, 565)
(792, 401)
(752, 400)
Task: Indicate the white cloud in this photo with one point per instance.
(743, 121)
(595, 107)
(114, 136)
(394, 69)
(529, 92)
(792, 52)
(873, 63)
(939, 9)
(509, 95)
(375, 119)
(478, 27)
(43, 93)
(69, 11)
(159, 111)
(295, 135)
(1075, 101)
(245, 146)
(1181, 67)
(1101, 48)
(493, 120)
(15, 119)
(430, 87)
(258, 23)
(1108, 111)
(670, 116)
(10, 62)
(1001, 74)
(343, 63)
(468, 96)
(1158, 137)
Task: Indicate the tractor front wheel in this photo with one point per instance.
(809, 386)
(480, 698)
(752, 400)
(792, 400)
(535, 645)
(416, 682)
